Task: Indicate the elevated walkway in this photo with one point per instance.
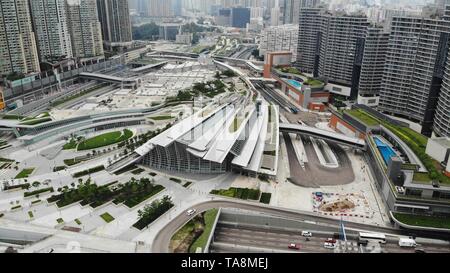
(323, 134)
(129, 82)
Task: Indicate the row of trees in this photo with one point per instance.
(151, 212)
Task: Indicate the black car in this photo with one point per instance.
(419, 250)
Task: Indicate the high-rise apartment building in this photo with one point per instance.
(279, 38)
(291, 9)
(372, 65)
(441, 117)
(84, 27)
(114, 16)
(309, 28)
(18, 51)
(411, 82)
(339, 47)
(51, 30)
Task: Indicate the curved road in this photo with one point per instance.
(162, 238)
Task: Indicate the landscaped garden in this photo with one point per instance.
(194, 234)
(241, 193)
(265, 197)
(161, 117)
(423, 221)
(151, 212)
(24, 173)
(363, 117)
(209, 217)
(131, 193)
(104, 140)
(416, 141)
(89, 171)
(107, 217)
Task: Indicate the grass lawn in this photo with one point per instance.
(313, 82)
(25, 173)
(363, 117)
(104, 140)
(78, 221)
(72, 144)
(209, 216)
(35, 121)
(107, 217)
(424, 221)
(30, 213)
(421, 177)
(161, 117)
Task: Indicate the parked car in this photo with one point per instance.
(330, 240)
(306, 233)
(329, 245)
(419, 250)
(190, 212)
(294, 246)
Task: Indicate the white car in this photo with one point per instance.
(306, 233)
(190, 212)
(329, 245)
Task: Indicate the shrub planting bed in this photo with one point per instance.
(151, 212)
(265, 197)
(24, 173)
(89, 171)
(30, 193)
(241, 193)
(21, 186)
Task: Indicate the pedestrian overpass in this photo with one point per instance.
(126, 82)
(323, 134)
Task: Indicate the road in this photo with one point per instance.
(162, 238)
(242, 238)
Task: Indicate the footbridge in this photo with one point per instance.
(126, 82)
(323, 134)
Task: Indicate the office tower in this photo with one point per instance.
(411, 80)
(240, 17)
(51, 30)
(309, 27)
(291, 9)
(279, 38)
(84, 27)
(372, 65)
(339, 45)
(18, 51)
(224, 17)
(115, 22)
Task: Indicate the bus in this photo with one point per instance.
(379, 237)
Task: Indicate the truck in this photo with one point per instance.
(407, 242)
